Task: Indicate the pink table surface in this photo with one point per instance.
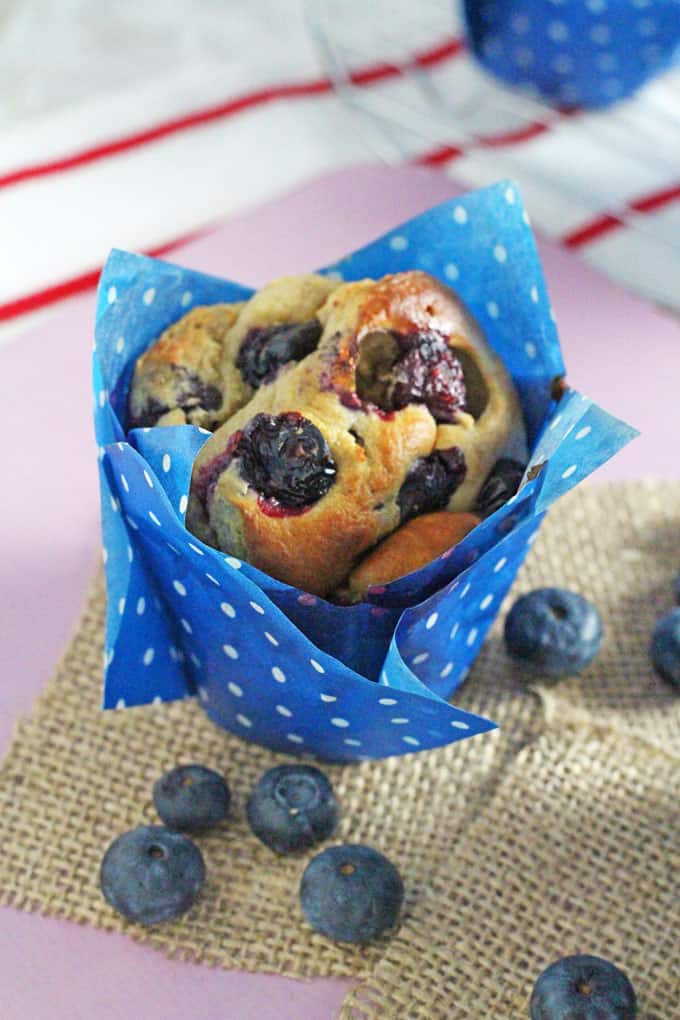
(619, 350)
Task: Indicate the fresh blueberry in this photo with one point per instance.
(266, 348)
(501, 484)
(431, 482)
(292, 808)
(286, 459)
(351, 893)
(665, 649)
(557, 632)
(150, 874)
(583, 988)
(191, 798)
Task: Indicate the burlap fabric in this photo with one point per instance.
(557, 833)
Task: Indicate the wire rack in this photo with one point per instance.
(425, 108)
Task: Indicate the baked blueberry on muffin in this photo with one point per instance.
(178, 381)
(209, 363)
(362, 406)
(277, 328)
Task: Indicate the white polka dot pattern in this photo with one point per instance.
(399, 242)
(566, 48)
(284, 668)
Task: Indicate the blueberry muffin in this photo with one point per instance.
(400, 409)
(209, 363)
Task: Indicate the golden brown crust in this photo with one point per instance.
(409, 548)
(184, 342)
(410, 302)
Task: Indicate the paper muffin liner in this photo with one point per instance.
(575, 52)
(269, 662)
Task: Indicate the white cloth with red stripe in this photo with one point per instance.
(173, 116)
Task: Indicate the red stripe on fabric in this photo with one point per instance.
(43, 298)
(657, 199)
(439, 156)
(435, 55)
(588, 232)
(370, 75)
(605, 224)
(443, 153)
(76, 285)
(160, 131)
(294, 90)
(522, 134)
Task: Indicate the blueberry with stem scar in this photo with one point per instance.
(292, 808)
(191, 798)
(583, 988)
(150, 874)
(554, 631)
(351, 893)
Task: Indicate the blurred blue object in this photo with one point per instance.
(575, 52)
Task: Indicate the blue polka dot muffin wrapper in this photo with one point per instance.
(575, 52)
(267, 661)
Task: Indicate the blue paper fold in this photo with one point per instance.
(270, 662)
